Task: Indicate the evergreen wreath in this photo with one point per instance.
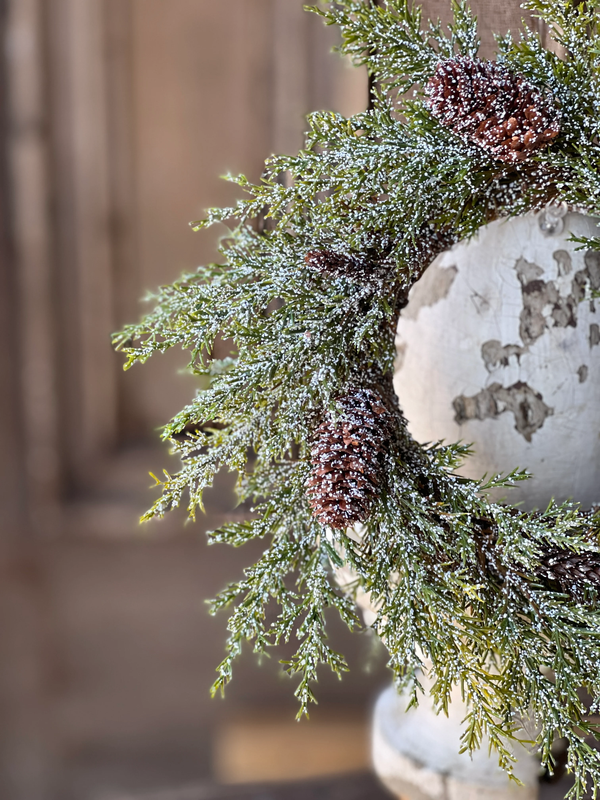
(315, 272)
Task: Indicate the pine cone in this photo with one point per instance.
(573, 572)
(338, 265)
(376, 269)
(346, 460)
(485, 103)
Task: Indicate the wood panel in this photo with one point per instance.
(25, 768)
(27, 158)
(12, 468)
(122, 115)
(80, 195)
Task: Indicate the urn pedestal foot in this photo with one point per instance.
(415, 755)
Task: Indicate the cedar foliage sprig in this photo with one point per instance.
(458, 580)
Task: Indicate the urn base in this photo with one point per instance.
(416, 756)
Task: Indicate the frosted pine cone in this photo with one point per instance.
(377, 269)
(346, 460)
(338, 265)
(573, 572)
(485, 103)
(328, 262)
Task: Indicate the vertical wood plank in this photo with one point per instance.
(291, 79)
(27, 746)
(127, 286)
(307, 76)
(92, 242)
(12, 471)
(28, 457)
(252, 29)
(335, 84)
(81, 184)
(27, 152)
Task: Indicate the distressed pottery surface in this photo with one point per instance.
(416, 755)
(500, 346)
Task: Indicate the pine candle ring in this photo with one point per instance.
(496, 598)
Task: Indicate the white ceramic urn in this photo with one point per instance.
(499, 346)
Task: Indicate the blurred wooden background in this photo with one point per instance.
(117, 118)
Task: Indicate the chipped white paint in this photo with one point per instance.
(507, 357)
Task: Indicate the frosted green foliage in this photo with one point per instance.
(459, 580)
(394, 43)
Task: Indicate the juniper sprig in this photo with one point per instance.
(501, 602)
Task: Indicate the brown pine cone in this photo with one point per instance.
(573, 572)
(337, 265)
(346, 460)
(428, 244)
(329, 262)
(485, 103)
